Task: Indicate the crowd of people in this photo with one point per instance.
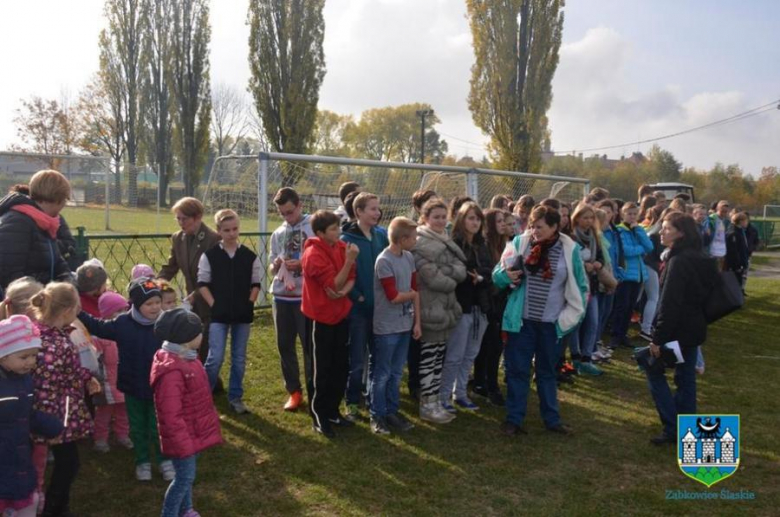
(445, 296)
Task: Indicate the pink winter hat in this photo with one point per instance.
(18, 333)
(142, 270)
(111, 302)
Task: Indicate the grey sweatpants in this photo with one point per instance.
(290, 322)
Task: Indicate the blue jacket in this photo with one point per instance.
(136, 344)
(369, 251)
(616, 258)
(636, 244)
(18, 419)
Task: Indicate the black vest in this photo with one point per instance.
(231, 285)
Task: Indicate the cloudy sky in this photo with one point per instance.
(630, 70)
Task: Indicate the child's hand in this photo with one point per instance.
(93, 386)
(514, 276)
(352, 251)
(278, 263)
(292, 265)
(333, 295)
(417, 331)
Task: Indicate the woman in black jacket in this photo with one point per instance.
(687, 277)
(28, 230)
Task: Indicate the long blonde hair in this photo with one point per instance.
(18, 297)
(54, 300)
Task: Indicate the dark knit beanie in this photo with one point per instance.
(141, 290)
(178, 326)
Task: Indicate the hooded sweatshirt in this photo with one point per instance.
(369, 252)
(287, 241)
(321, 263)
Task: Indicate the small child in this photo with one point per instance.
(229, 277)
(134, 335)
(186, 418)
(170, 299)
(142, 271)
(328, 277)
(19, 344)
(91, 281)
(17, 297)
(111, 403)
(396, 319)
(60, 385)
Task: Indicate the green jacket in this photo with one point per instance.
(575, 293)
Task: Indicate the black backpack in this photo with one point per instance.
(726, 297)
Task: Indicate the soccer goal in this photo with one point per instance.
(771, 211)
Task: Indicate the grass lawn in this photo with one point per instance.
(273, 463)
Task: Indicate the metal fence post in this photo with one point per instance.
(82, 243)
(472, 184)
(262, 215)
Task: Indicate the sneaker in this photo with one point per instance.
(167, 470)
(353, 413)
(341, 421)
(563, 378)
(496, 398)
(238, 406)
(635, 317)
(190, 513)
(590, 369)
(606, 351)
(449, 408)
(569, 369)
(125, 442)
(560, 429)
(143, 472)
(325, 431)
(379, 425)
(466, 404)
(294, 401)
(600, 357)
(431, 411)
(102, 446)
(482, 391)
(399, 422)
(647, 337)
(700, 370)
(510, 429)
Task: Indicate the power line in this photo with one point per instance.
(771, 106)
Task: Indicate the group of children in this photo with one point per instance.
(365, 301)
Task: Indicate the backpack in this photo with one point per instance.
(726, 297)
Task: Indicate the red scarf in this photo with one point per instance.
(538, 259)
(45, 222)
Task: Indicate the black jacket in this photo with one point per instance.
(477, 258)
(687, 278)
(737, 250)
(753, 239)
(25, 249)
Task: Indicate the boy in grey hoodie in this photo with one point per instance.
(285, 268)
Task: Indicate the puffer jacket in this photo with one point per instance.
(636, 244)
(187, 421)
(25, 248)
(441, 266)
(18, 420)
(364, 265)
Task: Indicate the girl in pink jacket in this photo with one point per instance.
(186, 418)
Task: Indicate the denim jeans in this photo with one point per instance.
(684, 400)
(534, 339)
(625, 299)
(239, 335)
(462, 348)
(388, 355)
(178, 497)
(606, 301)
(652, 292)
(583, 338)
(361, 333)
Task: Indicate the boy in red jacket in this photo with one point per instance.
(186, 418)
(328, 276)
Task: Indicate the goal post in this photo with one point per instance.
(771, 211)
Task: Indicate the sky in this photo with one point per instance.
(629, 70)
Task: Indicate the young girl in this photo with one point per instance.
(487, 362)
(583, 339)
(60, 383)
(440, 267)
(137, 344)
(19, 344)
(473, 296)
(652, 226)
(111, 403)
(187, 420)
(509, 225)
(17, 297)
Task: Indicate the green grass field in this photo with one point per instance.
(272, 463)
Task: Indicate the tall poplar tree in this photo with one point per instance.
(516, 45)
(287, 66)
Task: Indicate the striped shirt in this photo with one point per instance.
(545, 298)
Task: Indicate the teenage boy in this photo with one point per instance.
(328, 276)
(363, 233)
(229, 282)
(396, 319)
(719, 223)
(285, 258)
(344, 190)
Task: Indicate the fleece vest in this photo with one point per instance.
(231, 285)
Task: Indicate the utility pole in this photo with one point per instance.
(422, 114)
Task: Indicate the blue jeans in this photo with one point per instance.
(388, 356)
(239, 335)
(361, 334)
(178, 497)
(606, 301)
(534, 339)
(583, 338)
(684, 400)
(625, 299)
(652, 291)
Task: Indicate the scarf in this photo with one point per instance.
(44, 221)
(138, 317)
(538, 259)
(588, 241)
(188, 354)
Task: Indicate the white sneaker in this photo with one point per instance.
(125, 442)
(143, 472)
(101, 446)
(167, 470)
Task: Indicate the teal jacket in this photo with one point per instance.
(575, 292)
(369, 251)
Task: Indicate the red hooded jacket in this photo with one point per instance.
(321, 263)
(186, 418)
